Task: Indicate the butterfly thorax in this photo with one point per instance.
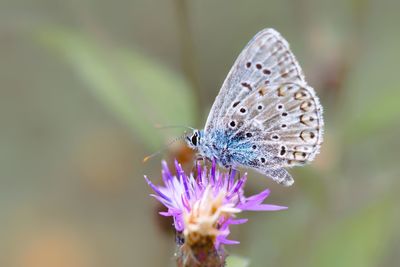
(226, 149)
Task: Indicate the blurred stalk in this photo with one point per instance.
(302, 10)
(188, 53)
(201, 257)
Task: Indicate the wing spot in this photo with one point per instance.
(258, 66)
(247, 85)
(300, 95)
(266, 82)
(284, 114)
(262, 160)
(243, 110)
(235, 104)
(262, 91)
(306, 106)
(248, 64)
(260, 107)
(299, 155)
(266, 71)
(249, 134)
(280, 106)
(281, 91)
(254, 147)
(283, 125)
(307, 119)
(286, 74)
(307, 135)
(303, 120)
(275, 137)
(232, 124)
(283, 150)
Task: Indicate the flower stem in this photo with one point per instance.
(205, 255)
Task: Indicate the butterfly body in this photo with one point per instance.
(266, 116)
(227, 149)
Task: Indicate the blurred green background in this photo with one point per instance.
(82, 84)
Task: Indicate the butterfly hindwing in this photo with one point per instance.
(285, 120)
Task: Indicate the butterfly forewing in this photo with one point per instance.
(266, 59)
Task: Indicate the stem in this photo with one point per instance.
(188, 55)
(201, 253)
(200, 256)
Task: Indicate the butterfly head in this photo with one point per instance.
(193, 140)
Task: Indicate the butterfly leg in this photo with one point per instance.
(196, 162)
(202, 158)
(231, 169)
(280, 175)
(238, 173)
(205, 160)
(198, 158)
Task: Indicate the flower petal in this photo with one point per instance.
(266, 207)
(155, 189)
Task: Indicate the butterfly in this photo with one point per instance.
(265, 117)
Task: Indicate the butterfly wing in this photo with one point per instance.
(266, 59)
(282, 126)
(266, 105)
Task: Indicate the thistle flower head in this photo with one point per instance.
(204, 205)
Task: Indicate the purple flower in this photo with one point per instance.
(205, 205)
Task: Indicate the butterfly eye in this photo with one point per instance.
(194, 139)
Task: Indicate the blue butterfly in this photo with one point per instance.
(265, 116)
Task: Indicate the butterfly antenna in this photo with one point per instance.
(159, 126)
(165, 148)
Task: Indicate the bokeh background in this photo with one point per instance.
(83, 83)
